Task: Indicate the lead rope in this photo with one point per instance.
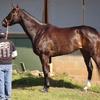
(6, 32)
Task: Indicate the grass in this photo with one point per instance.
(27, 87)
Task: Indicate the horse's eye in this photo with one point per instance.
(14, 14)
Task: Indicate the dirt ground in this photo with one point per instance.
(74, 66)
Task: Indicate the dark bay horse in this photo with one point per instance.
(49, 41)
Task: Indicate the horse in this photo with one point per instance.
(50, 41)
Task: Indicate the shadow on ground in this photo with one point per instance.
(38, 81)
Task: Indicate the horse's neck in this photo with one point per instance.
(30, 25)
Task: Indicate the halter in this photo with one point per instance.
(6, 30)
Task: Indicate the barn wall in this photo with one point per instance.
(63, 13)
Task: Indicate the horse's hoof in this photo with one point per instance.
(85, 89)
(45, 90)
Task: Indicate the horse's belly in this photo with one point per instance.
(59, 46)
(62, 50)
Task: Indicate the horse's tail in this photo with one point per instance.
(98, 68)
(96, 56)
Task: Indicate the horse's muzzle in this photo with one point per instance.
(4, 23)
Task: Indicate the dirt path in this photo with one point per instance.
(75, 67)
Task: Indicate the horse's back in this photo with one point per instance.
(72, 30)
(60, 40)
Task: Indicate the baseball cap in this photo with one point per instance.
(2, 34)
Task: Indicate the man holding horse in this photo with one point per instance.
(7, 54)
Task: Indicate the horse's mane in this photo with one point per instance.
(32, 17)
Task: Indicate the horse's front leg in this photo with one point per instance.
(51, 67)
(45, 67)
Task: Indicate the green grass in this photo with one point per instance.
(27, 87)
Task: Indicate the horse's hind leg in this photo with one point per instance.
(88, 62)
(96, 59)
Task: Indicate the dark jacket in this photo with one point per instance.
(7, 48)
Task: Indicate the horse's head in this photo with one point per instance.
(12, 18)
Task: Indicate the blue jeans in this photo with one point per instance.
(5, 81)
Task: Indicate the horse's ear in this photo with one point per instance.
(17, 6)
(11, 3)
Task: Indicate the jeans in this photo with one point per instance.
(5, 81)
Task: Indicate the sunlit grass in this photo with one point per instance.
(28, 87)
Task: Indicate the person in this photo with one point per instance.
(7, 53)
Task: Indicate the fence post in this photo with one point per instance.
(23, 66)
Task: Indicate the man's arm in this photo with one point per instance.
(14, 54)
